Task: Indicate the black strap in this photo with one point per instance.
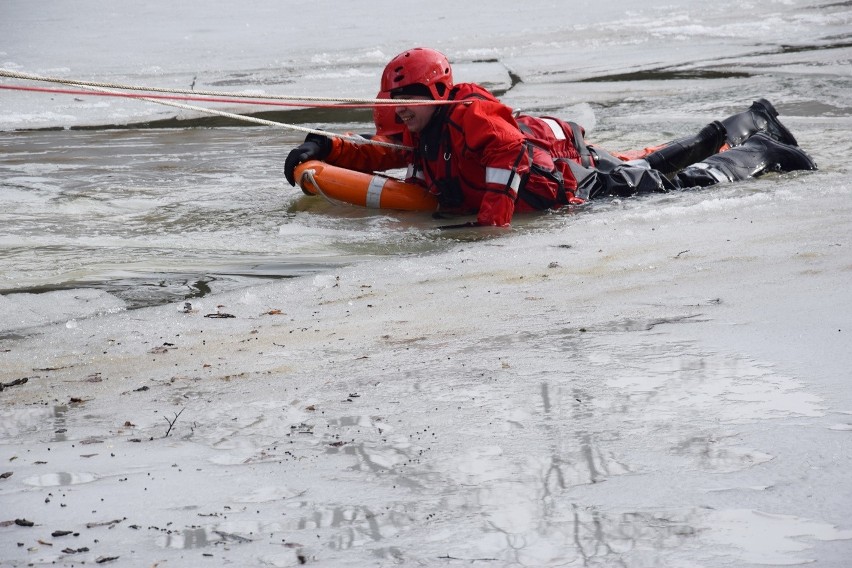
(538, 201)
(580, 145)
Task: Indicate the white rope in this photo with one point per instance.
(388, 102)
(349, 137)
(104, 88)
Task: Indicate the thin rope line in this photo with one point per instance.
(209, 99)
(368, 102)
(351, 138)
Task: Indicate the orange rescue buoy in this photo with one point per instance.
(374, 191)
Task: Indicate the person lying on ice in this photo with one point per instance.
(478, 158)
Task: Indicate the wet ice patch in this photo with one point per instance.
(768, 539)
(481, 465)
(267, 494)
(326, 281)
(748, 488)
(22, 311)
(678, 381)
(14, 422)
(509, 507)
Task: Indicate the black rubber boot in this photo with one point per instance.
(760, 117)
(758, 155)
(687, 151)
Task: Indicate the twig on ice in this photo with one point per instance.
(172, 422)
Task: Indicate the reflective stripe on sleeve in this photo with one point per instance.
(501, 176)
(555, 128)
(374, 192)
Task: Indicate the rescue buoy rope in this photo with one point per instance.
(169, 97)
(74, 82)
(175, 97)
(349, 137)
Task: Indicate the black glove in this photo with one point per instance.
(314, 147)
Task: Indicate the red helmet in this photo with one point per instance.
(387, 123)
(419, 66)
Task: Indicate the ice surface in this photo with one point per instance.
(645, 382)
(419, 408)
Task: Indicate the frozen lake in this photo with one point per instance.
(645, 382)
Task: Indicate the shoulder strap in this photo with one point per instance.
(580, 144)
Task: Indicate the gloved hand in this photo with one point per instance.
(314, 147)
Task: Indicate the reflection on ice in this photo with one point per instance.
(527, 473)
(711, 455)
(567, 533)
(589, 537)
(14, 422)
(60, 425)
(60, 479)
(188, 538)
(660, 379)
(199, 537)
(354, 525)
(373, 459)
(17, 422)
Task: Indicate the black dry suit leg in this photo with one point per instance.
(760, 117)
(686, 151)
(756, 156)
